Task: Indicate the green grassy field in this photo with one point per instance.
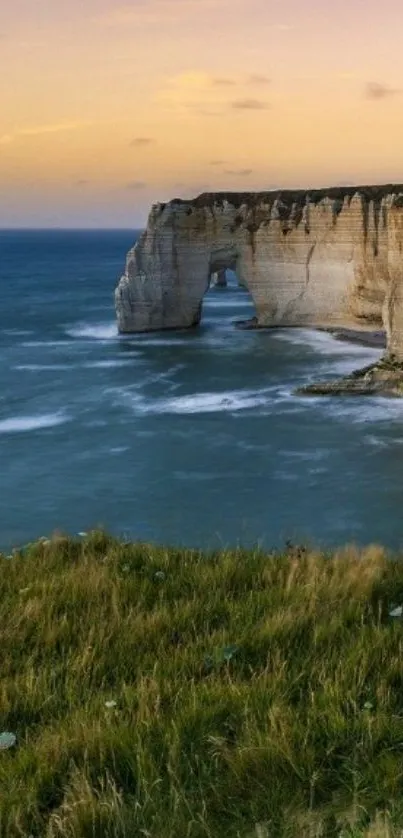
(174, 694)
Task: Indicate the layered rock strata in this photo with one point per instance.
(321, 258)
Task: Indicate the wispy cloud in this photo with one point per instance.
(38, 130)
(140, 142)
(154, 11)
(207, 94)
(81, 182)
(238, 172)
(217, 162)
(257, 79)
(376, 91)
(136, 184)
(250, 105)
(219, 81)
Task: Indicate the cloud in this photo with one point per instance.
(154, 11)
(376, 91)
(238, 172)
(257, 79)
(222, 82)
(136, 184)
(249, 105)
(217, 162)
(37, 130)
(194, 90)
(139, 142)
(207, 94)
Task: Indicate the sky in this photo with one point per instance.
(108, 107)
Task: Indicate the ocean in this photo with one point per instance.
(182, 438)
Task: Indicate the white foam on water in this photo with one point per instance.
(325, 344)
(228, 303)
(362, 410)
(376, 441)
(94, 331)
(120, 449)
(33, 343)
(109, 364)
(19, 424)
(43, 367)
(286, 475)
(226, 401)
(145, 341)
(341, 368)
(317, 454)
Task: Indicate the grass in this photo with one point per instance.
(174, 694)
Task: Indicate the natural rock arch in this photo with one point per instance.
(320, 258)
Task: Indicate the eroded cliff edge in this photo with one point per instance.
(330, 257)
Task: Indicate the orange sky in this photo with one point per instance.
(108, 106)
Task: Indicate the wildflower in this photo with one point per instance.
(396, 612)
(228, 652)
(159, 576)
(110, 704)
(7, 740)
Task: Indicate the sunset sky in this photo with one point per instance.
(107, 107)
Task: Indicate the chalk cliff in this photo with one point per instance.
(330, 257)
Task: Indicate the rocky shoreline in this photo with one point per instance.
(364, 337)
(384, 378)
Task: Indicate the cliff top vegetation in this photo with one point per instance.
(169, 693)
(299, 197)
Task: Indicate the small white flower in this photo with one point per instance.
(396, 612)
(159, 575)
(7, 740)
(110, 704)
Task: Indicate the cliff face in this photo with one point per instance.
(320, 258)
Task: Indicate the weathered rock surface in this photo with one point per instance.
(326, 258)
(384, 378)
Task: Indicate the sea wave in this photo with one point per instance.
(227, 303)
(94, 331)
(31, 344)
(324, 343)
(197, 403)
(19, 424)
(111, 363)
(43, 367)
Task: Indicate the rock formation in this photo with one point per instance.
(219, 279)
(326, 258)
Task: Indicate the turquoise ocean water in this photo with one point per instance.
(187, 438)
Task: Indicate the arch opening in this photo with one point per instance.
(227, 299)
